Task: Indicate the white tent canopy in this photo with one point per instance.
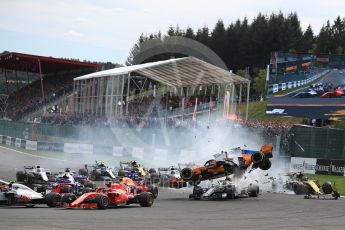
(108, 92)
(178, 72)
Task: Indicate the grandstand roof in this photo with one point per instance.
(175, 72)
(27, 62)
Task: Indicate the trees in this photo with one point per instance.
(260, 82)
(338, 30)
(307, 40)
(325, 39)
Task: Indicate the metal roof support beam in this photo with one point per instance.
(128, 86)
(41, 77)
(122, 94)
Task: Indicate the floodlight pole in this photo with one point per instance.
(248, 88)
(267, 78)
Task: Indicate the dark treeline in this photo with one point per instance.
(245, 44)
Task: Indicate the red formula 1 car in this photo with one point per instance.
(114, 194)
(334, 93)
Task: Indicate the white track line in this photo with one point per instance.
(32, 155)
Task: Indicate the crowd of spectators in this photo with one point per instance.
(271, 128)
(29, 98)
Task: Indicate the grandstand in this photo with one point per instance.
(163, 89)
(47, 79)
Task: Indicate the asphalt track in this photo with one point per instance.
(173, 210)
(312, 107)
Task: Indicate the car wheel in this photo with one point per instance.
(146, 199)
(66, 189)
(68, 198)
(152, 170)
(89, 184)
(95, 175)
(82, 172)
(197, 192)
(53, 199)
(20, 175)
(102, 201)
(154, 191)
(253, 190)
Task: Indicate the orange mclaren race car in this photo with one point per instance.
(234, 163)
(114, 194)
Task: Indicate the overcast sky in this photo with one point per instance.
(106, 30)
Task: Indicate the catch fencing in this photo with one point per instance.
(316, 142)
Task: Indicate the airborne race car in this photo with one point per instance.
(235, 165)
(14, 194)
(124, 193)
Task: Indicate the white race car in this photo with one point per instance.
(19, 194)
(33, 174)
(224, 189)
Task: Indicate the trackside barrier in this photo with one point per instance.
(78, 148)
(282, 86)
(31, 145)
(317, 166)
(151, 154)
(3, 139)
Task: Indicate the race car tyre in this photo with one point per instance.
(95, 175)
(82, 172)
(152, 170)
(154, 190)
(265, 164)
(30, 178)
(68, 198)
(53, 199)
(154, 178)
(253, 190)
(122, 173)
(197, 192)
(102, 201)
(327, 188)
(89, 184)
(257, 157)
(230, 191)
(146, 199)
(87, 190)
(66, 189)
(186, 173)
(20, 176)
